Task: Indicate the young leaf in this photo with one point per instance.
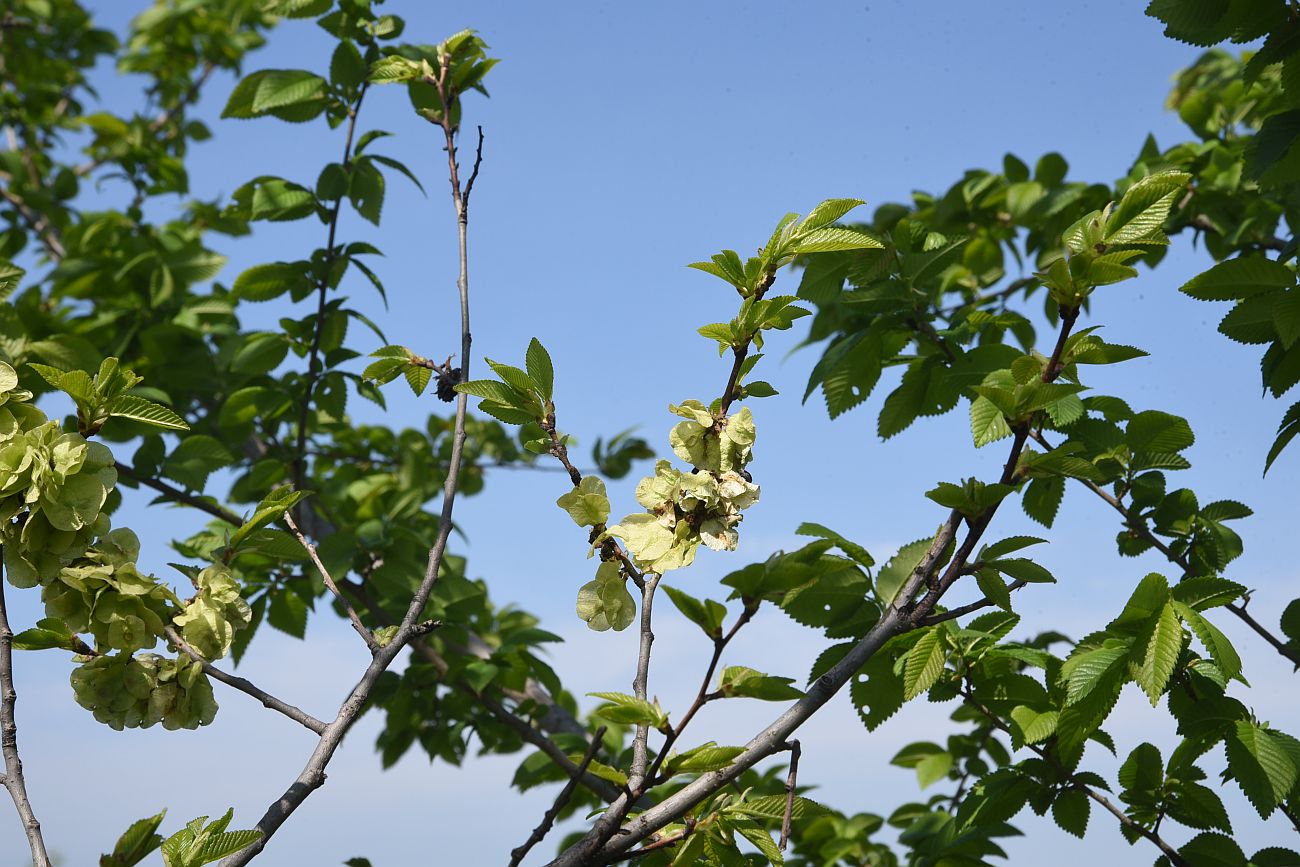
(629, 710)
(737, 681)
(540, 369)
(136, 844)
(146, 411)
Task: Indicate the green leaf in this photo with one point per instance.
(540, 369)
(1261, 766)
(146, 411)
(994, 588)
(1042, 498)
(1035, 725)
(894, 574)
(762, 840)
(1212, 850)
(853, 549)
(1159, 654)
(737, 681)
(1084, 670)
(1023, 570)
(826, 213)
(1142, 210)
(417, 377)
(1070, 810)
(587, 504)
(490, 389)
(1160, 432)
(394, 69)
(272, 508)
(629, 710)
(49, 633)
(924, 664)
(1219, 647)
(701, 759)
(706, 614)
(1238, 279)
(987, 424)
(136, 844)
(265, 282)
(836, 238)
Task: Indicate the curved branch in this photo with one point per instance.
(244, 685)
(13, 776)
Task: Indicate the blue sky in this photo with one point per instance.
(624, 141)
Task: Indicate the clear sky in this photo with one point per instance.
(624, 141)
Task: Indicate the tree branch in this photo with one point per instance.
(517, 854)
(360, 627)
(1239, 611)
(899, 616)
(244, 685)
(314, 363)
(13, 775)
(176, 495)
(1046, 755)
(313, 775)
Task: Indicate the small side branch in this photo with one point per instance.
(1124, 819)
(13, 776)
(244, 685)
(176, 495)
(1180, 561)
(791, 781)
(548, 820)
(360, 627)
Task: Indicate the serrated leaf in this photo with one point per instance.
(146, 411)
(1260, 765)
(1070, 811)
(837, 238)
(417, 377)
(1237, 279)
(924, 664)
(1159, 654)
(540, 369)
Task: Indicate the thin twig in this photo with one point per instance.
(244, 685)
(517, 854)
(176, 495)
(790, 782)
(39, 225)
(740, 353)
(313, 775)
(1180, 561)
(963, 610)
(360, 627)
(1046, 755)
(604, 789)
(702, 696)
(13, 775)
(314, 363)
